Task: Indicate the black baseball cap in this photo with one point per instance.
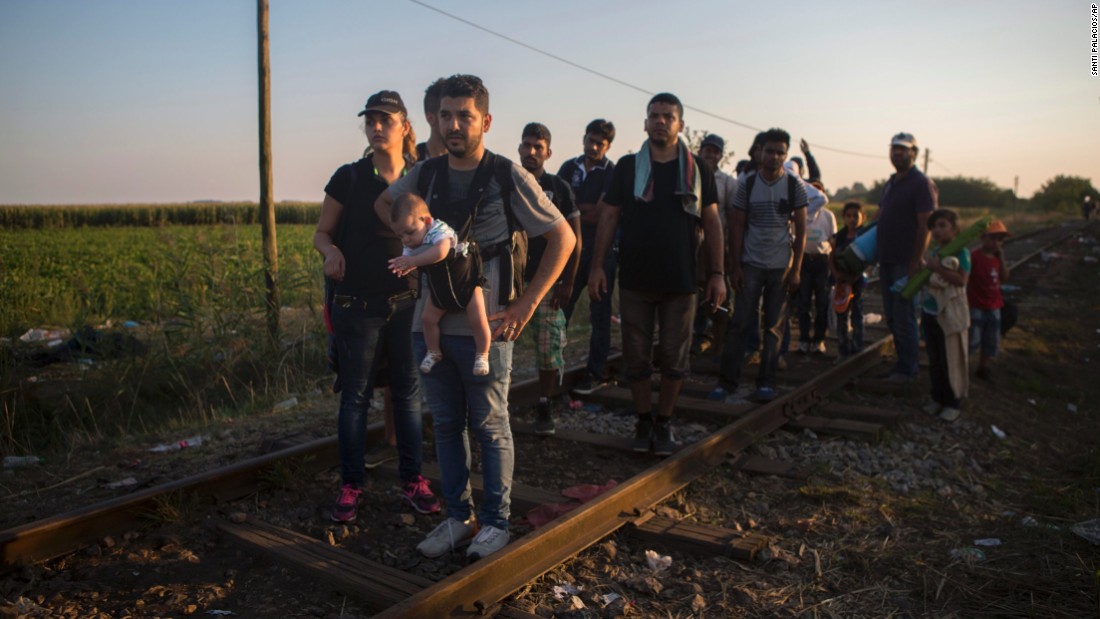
(386, 101)
(715, 141)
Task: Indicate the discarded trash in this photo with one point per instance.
(808, 433)
(194, 441)
(285, 405)
(565, 589)
(1010, 288)
(586, 492)
(1031, 401)
(132, 463)
(15, 462)
(987, 541)
(592, 407)
(122, 483)
(872, 318)
(130, 324)
(223, 613)
(55, 343)
(37, 335)
(575, 405)
(1028, 521)
(1047, 256)
(999, 433)
(656, 562)
(967, 554)
(1089, 529)
(1091, 259)
(609, 598)
(1071, 408)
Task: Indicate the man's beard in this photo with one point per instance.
(469, 144)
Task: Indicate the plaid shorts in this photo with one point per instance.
(548, 327)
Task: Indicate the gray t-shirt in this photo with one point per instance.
(767, 242)
(532, 209)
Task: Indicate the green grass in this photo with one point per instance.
(156, 215)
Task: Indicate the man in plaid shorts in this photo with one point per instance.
(548, 322)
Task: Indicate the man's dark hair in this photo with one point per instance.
(460, 86)
(431, 97)
(602, 127)
(852, 206)
(537, 131)
(943, 213)
(671, 99)
(776, 135)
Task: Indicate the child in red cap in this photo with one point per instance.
(983, 293)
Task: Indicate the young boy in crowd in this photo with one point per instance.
(945, 317)
(983, 292)
(848, 297)
(428, 243)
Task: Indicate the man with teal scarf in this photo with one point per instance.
(661, 197)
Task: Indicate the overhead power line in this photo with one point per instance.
(611, 78)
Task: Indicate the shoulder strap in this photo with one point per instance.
(502, 171)
(792, 188)
(750, 180)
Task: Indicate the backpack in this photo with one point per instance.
(464, 273)
(785, 207)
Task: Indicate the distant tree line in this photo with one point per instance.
(1061, 193)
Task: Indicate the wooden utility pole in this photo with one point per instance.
(926, 151)
(267, 200)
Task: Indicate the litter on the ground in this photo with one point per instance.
(130, 324)
(999, 433)
(15, 462)
(285, 404)
(193, 441)
(967, 554)
(1028, 521)
(987, 541)
(565, 589)
(1091, 259)
(609, 598)
(656, 562)
(1089, 529)
(1071, 408)
(122, 483)
(1032, 401)
(575, 405)
(872, 318)
(224, 613)
(37, 335)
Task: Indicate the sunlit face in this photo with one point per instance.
(772, 156)
(411, 229)
(902, 157)
(853, 218)
(595, 147)
(943, 231)
(533, 153)
(384, 131)
(711, 155)
(462, 125)
(663, 124)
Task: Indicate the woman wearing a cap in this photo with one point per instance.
(371, 309)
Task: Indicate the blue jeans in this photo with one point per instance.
(853, 344)
(901, 318)
(599, 343)
(766, 283)
(364, 343)
(459, 400)
(813, 293)
(985, 331)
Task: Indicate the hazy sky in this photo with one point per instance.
(155, 101)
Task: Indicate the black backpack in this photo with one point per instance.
(451, 280)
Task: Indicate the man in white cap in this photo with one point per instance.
(908, 198)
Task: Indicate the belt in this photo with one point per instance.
(348, 301)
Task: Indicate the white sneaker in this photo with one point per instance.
(430, 360)
(450, 534)
(488, 541)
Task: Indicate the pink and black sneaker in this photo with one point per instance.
(418, 495)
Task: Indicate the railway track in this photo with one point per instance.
(479, 587)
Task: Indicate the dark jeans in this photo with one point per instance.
(935, 346)
(813, 289)
(759, 283)
(901, 318)
(363, 342)
(599, 343)
(851, 345)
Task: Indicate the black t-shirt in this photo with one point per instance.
(562, 196)
(658, 239)
(366, 242)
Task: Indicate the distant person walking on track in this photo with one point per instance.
(1087, 207)
(589, 175)
(660, 196)
(765, 264)
(500, 200)
(371, 310)
(983, 293)
(908, 198)
(548, 323)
